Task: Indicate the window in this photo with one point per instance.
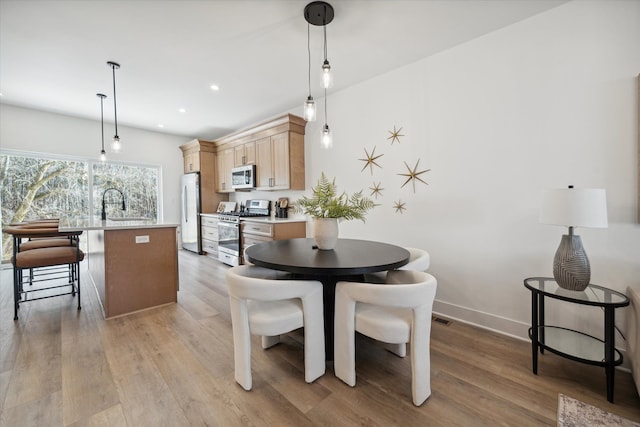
(139, 185)
(40, 186)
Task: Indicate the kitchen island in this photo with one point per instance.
(132, 262)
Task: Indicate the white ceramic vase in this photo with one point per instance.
(325, 231)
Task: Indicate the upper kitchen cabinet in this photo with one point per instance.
(277, 149)
(275, 163)
(225, 163)
(200, 156)
(244, 154)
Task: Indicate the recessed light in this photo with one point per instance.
(160, 125)
(215, 87)
(183, 110)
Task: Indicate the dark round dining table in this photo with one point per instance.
(350, 260)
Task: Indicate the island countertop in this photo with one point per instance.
(95, 223)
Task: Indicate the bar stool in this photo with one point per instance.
(56, 239)
(41, 256)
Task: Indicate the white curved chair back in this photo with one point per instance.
(419, 260)
(263, 305)
(392, 314)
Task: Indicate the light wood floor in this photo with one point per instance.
(173, 366)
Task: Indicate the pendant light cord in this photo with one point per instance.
(325, 107)
(309, 56)
(325, 41)
(102, 120)
(324, 28)
(115, 105)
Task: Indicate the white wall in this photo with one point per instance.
(544, 103)
(30, 130)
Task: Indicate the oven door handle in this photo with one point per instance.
(228, 224)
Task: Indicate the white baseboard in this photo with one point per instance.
(501, 325)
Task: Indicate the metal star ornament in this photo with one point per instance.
(399, 206)
(371, 160)
(413, 175)
(395, 135)
(376, 190)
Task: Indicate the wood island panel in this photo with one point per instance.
(139, 275)
(95, 260)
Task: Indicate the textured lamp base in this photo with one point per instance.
(571, 267)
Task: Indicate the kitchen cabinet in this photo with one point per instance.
(260, 230)
(277, 149)
(225, 164)
(191, 162)
(276, 163)
(209, 233)
(244, 154)
(200, 156)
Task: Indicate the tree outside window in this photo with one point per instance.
(38, 187)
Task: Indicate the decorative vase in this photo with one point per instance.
(325, 231)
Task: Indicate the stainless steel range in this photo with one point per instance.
(230, 231)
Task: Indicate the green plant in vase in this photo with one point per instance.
(326, 205)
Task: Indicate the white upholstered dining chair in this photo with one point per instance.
(419, 260)
(397, 313)
(264, 304)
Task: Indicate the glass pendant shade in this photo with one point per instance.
(103, 156)
(116, 145)
(310, 109)
(327, 139)
(327, 76)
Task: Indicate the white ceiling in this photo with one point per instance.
(53, 54)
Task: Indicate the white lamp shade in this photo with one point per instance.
(575, 207)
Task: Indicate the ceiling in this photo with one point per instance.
(53, 54)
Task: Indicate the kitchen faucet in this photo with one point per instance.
(104, 213)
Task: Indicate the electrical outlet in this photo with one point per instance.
(142, 239)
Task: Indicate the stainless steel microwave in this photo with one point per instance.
(243, 177)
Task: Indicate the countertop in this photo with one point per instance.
(263, 219)
(95, 223)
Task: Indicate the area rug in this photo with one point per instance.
(574, 413)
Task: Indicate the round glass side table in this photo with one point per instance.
(575, 345)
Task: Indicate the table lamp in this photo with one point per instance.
(571, 207)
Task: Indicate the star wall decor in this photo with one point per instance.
(399, 206)
(376, 190)
(395, 135)
(371, 160)
(413, 175)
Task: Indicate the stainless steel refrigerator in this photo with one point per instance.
(190, 224)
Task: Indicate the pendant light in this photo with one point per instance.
(327, 139)
(327, 77)
(116, 145)
(309, 104)
(103, 154)
(320, 13)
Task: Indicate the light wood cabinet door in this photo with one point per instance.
(192, 162)
(264, 165)
(244, 154)
(225, 163)
(280, 161)
(238, 155)
(272, 160)
(250, 153)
